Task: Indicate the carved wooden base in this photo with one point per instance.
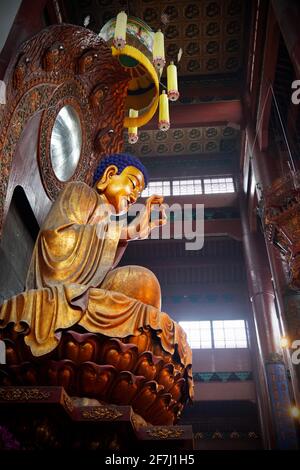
(135, 371)
(33, 418)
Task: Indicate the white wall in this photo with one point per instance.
(8, 11)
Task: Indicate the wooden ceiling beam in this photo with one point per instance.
(210, 201)
(193, 90)
(288, 17)
(219, 227)
(267, 79)
(218, 113)
(253, 79)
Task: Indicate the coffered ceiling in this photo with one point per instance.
(210, 33)
(186, 141)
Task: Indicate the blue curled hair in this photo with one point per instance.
(121, 161)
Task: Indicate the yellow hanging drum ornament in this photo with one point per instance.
(132, 131)
(136, 58)
(142, 54)
(159, 50)
(120, 31)
(173, 93)
(164, 118)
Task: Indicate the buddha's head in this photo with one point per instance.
(120, 178)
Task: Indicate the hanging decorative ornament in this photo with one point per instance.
(136, 58)
(179, 55)
(164, 118)
(132, 131)
(173, 93)
(159, 50)
(86, 21)
(120, 31)
(141, 53)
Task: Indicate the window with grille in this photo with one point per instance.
(161, 188)
(199, 333)
(190, 187)
(218, 185)
(218, 334)
(182, 187)
(229, 334)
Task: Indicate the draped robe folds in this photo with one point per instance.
(75, 249)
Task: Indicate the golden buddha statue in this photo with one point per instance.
(72, 279)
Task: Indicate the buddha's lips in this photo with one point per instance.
(131, 200)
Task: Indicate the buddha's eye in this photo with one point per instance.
(133, 183)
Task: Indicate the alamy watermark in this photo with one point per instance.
(2, 352)
(157, 222)
(296, 94)
(2, 92)
(295, 356)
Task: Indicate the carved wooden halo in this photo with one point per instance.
(69, 94)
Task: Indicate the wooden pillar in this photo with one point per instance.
(274, 401)
(263, 166)
(263, 345)
(269, 302)
(267, 78)
(265, 173)
(288, 16)
(261, 290)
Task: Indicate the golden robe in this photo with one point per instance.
(76, 247)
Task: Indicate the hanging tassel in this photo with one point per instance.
(120, 31)
(164, 118)
(158, 50)
(132, 131)
(173, 93)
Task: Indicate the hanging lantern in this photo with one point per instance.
(120, 31)
(158, 50)
(132, 131)
(164, 118)
(173, 93)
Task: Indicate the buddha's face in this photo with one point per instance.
(123, 190)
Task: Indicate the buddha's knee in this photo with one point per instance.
(136, 282)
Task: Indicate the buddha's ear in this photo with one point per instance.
(102, 183)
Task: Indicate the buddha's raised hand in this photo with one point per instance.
(142, 225)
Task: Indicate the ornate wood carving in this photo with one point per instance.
(281, 217)
(20, 394)
(63, 64)
(68, 403)
(101, 413)
(44, 424)
(165, 433)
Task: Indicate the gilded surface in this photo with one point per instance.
(67, 284)
(72, 281)
(18, 394)
(68, 403)
(101, 412)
